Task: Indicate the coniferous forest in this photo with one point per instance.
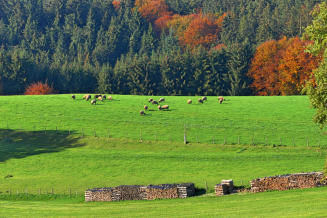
(156, 47)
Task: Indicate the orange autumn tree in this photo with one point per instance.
(282, 67)
(264, 67)
(39, 88)
(203, 30)
(296, 67)
(116, 4)
(151, 10)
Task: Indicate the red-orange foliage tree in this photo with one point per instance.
(161, 23)
(296, 67)
(151, 10)
(116, 4)
(282, 67)
(39, 88)
(264, 67)
(203, 30)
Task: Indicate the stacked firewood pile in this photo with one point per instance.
(161, 191)
(289, 181)
(131, 192)
(224, 188)
(185, 190)
(100, 194)
(137, 192)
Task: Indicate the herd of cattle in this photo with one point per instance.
(151, 100)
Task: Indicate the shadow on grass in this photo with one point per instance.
(20, 144)
(199, 191)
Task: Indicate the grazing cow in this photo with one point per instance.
(189, 101)
(73, 97)
(154, 102)
(94, 101)
(142, 113)
(161, 100)
(145, 107)
(200, 100)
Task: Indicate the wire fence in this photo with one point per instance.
(234, 133)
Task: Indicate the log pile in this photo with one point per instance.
(161, 191)
(224, 188)
(137, 192)
(186, 190)
(100, 194)
(289, 181)
(130, 192)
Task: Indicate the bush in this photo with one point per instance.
(39, 88)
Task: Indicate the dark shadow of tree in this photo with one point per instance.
(20, 144)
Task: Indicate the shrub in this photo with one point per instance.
(39, 88)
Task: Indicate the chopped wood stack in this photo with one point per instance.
(137, 192)
(289, 181)
(130, 192)
(100, 194)
(185, 190)
(224, 188)
(161, 191)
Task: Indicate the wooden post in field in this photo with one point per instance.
(82, 133)
(140, 135)
(95, 133)
(45, 130)
(213, 139)
(70, 192)
(238, 140)
(52, 190)
(108, 133)
(307, 142)
(185, 140)
(280, 139)
(206, 185)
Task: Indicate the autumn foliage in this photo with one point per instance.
(116, 4)
(39, 88)
(192, 30)
(151, 10)
(203, 30)
(281, 67)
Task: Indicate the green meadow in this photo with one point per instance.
(53, 148)
(279, 120)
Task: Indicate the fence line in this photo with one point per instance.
(188, 134)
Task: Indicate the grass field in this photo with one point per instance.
(285, 120)
(38, 155)
(64, 163)
(294, 203)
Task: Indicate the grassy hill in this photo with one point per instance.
(285, 120)
(43, 148)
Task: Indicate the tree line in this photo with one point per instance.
(159, 47)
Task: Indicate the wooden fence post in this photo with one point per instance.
(185, 140)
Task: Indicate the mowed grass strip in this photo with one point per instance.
(39, 164)
(279, 120)
(292, 203)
